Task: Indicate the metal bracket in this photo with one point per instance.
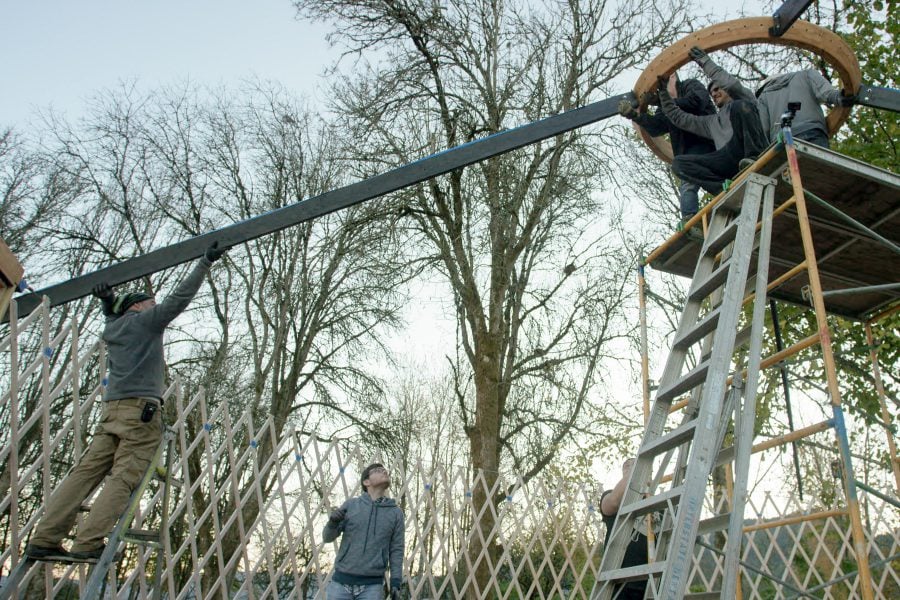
(879, 97)
(785, 16)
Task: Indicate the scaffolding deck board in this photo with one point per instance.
(847, 257)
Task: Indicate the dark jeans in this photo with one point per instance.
(688, 198)
(814, 136)
(710, 171)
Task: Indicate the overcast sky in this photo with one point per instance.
(59, 53)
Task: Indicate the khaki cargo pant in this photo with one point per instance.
(122, 447)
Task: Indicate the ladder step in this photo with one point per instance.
(721, 241)
(694, 378)
(672, 439)
(703, 596)
(140, 536)
(715, 280)
(645, 506)
(703, 327)
(635, 573)
(714, 524)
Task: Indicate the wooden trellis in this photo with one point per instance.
(546, 541)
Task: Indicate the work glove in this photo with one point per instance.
(214, 253)
(848, 101)
(626, 109)
(106, 297)
(336, 516)
(698, 55)
(395, 593)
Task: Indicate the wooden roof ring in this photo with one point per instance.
(752, 30)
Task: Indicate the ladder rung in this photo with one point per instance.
(694, 378)
(713, 524)
(703, 596)
(141, 535)
(718, 243)
(672, 439)
(715, 280)
(635, 573)
(742, 338)
(704, 326)
(646, 506)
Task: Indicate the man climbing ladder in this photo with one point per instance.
(130, 427)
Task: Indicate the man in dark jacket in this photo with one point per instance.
(735, 130)
(810, 89)
(690, 96)
(636, 552)
(130, 428)
(373, 532)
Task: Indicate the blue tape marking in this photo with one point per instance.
(104, 382)
(207, 426)
(253, 444)
(428, 487)
(590, 508)
(299, 457)
(509, 498)
(841, 429)
(48, 352)
(468, 494)
(341, 470)
(788, 136)
(549, 503)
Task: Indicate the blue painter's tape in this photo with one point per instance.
(549, 503)
(253, 443)
(468, 494)
(428, 487)
(341, 470)
(590, 508)
(104, 382)
(48, 352)
(299, 457)
(509, 498)
(207, 426)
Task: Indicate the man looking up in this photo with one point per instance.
(130, 428)
(735, 130)
(372, 526)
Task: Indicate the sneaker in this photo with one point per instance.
(88, 556)
(49, 553)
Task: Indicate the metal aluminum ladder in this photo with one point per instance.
(99, 572)
(722, 401)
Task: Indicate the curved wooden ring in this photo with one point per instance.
(752, 30)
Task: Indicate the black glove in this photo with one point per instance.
(106, 296)
(698, 55)
(102, 291)
(848, 101)
(336, 516)
(214, 253)
(626, 109)
(395, 593)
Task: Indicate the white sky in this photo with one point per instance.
(59, 53)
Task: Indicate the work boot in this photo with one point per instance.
(49, 553)
(88, 556)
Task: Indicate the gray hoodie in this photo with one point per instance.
(716, 127)
(373, 540)
(810, 89)
(135, 342)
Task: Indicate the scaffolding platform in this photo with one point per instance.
(848, 257)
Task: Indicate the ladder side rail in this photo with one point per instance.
(746, 415)
(703, 453)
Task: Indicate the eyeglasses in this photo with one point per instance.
(714, 89)
(378, 470)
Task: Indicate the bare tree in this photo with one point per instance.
(521, 239)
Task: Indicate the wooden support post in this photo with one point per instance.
(11, 273)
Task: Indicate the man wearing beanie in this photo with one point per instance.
(372, 526)
(130, 428)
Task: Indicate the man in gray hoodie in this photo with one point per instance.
(373, 532)
(735, 130)
(810, 89)
(130, 428)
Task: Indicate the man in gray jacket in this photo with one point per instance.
(810, 89)
(735, 130)
(372, 526)
(130, 428)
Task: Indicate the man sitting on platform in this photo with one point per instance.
(735, 130)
